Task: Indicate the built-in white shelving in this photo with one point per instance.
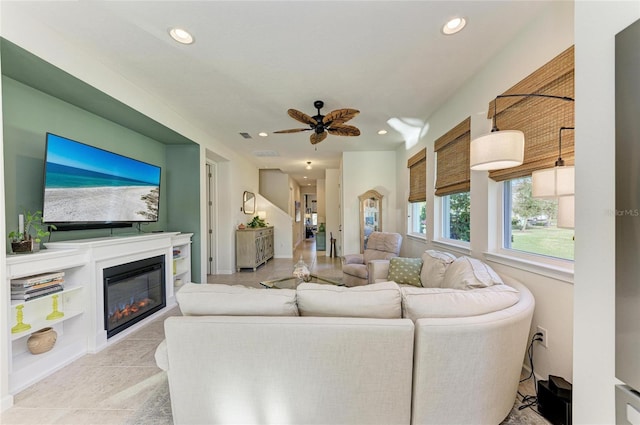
(81, 329)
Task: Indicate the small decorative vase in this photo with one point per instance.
(42, 341)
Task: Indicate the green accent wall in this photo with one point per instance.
(29, 113)
(183, 212)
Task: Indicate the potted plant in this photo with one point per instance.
(257, 222)
(28, 237)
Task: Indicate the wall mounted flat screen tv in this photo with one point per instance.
(92, 187)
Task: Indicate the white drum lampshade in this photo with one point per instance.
(566, 212)
(497, 150)
(553, 182)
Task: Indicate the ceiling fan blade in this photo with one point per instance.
(302, 117)
(293, 130)
(339, 116)
(318, 137)
(343, 130)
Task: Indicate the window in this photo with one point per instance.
(531, 224)
(455, 216)
(453, 181)
(416, 209)
(417, 218)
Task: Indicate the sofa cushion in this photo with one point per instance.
(377, 300)
(235, 300)
(418, 303)
(469, 273)
(358, 270)
(434, 266)
(405, 270)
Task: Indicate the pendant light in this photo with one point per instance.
(501, 148)
(566, 212)
(556, 181)
(498, 149)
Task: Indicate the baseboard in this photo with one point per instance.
(6, 402)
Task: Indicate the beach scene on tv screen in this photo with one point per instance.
(87, 184)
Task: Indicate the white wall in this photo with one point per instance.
(274, 185)
(362, 171)
(282, 226)
(596, 24)
(544, 39)
(332, 199)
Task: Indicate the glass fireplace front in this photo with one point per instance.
(133, 291)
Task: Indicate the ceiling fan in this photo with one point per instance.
(332, 123)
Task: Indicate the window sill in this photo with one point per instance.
(461, 248)
(555, 269)
(417, 237)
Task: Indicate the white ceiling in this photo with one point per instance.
(252, 61)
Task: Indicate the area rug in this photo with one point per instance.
(157, 410)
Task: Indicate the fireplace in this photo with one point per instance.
(133, 291)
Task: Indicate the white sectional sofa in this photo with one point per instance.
(324, 354)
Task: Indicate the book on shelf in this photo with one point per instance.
(26, 296)
(19, 289)
(36, 279)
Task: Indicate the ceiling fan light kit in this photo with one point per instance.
(321, 125)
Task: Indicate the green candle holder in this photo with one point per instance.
(55, 314)
(20, 326)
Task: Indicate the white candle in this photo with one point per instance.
(21, 223)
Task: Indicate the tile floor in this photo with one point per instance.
(128, 388)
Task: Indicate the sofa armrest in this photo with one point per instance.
(445, 349)
(378, 270)
(354, 259)
(161, 356)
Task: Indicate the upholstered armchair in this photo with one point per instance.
(380, 246)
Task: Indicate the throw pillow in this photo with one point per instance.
(405, 270)
(469, 273)
(434, 266)
(377, 300)
(197, 299)
(418, 303)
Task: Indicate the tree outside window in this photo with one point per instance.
(457, 214)
(532, 223)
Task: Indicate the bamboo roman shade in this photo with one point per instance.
(417, 165)
(539, 118)
(452, 151)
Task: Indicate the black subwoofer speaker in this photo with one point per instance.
(554, 405)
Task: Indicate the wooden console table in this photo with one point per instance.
(254, 246)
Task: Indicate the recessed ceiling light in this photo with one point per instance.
(305, 177)
(382, 132)
(454, 25)
(308, 167)
(263, 134)
(181, 36)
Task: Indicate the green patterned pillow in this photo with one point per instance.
(405, 270)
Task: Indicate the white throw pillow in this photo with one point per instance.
(469, 273)
(434, 266)
(197, 299)
(418, 303)
(378, 300)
